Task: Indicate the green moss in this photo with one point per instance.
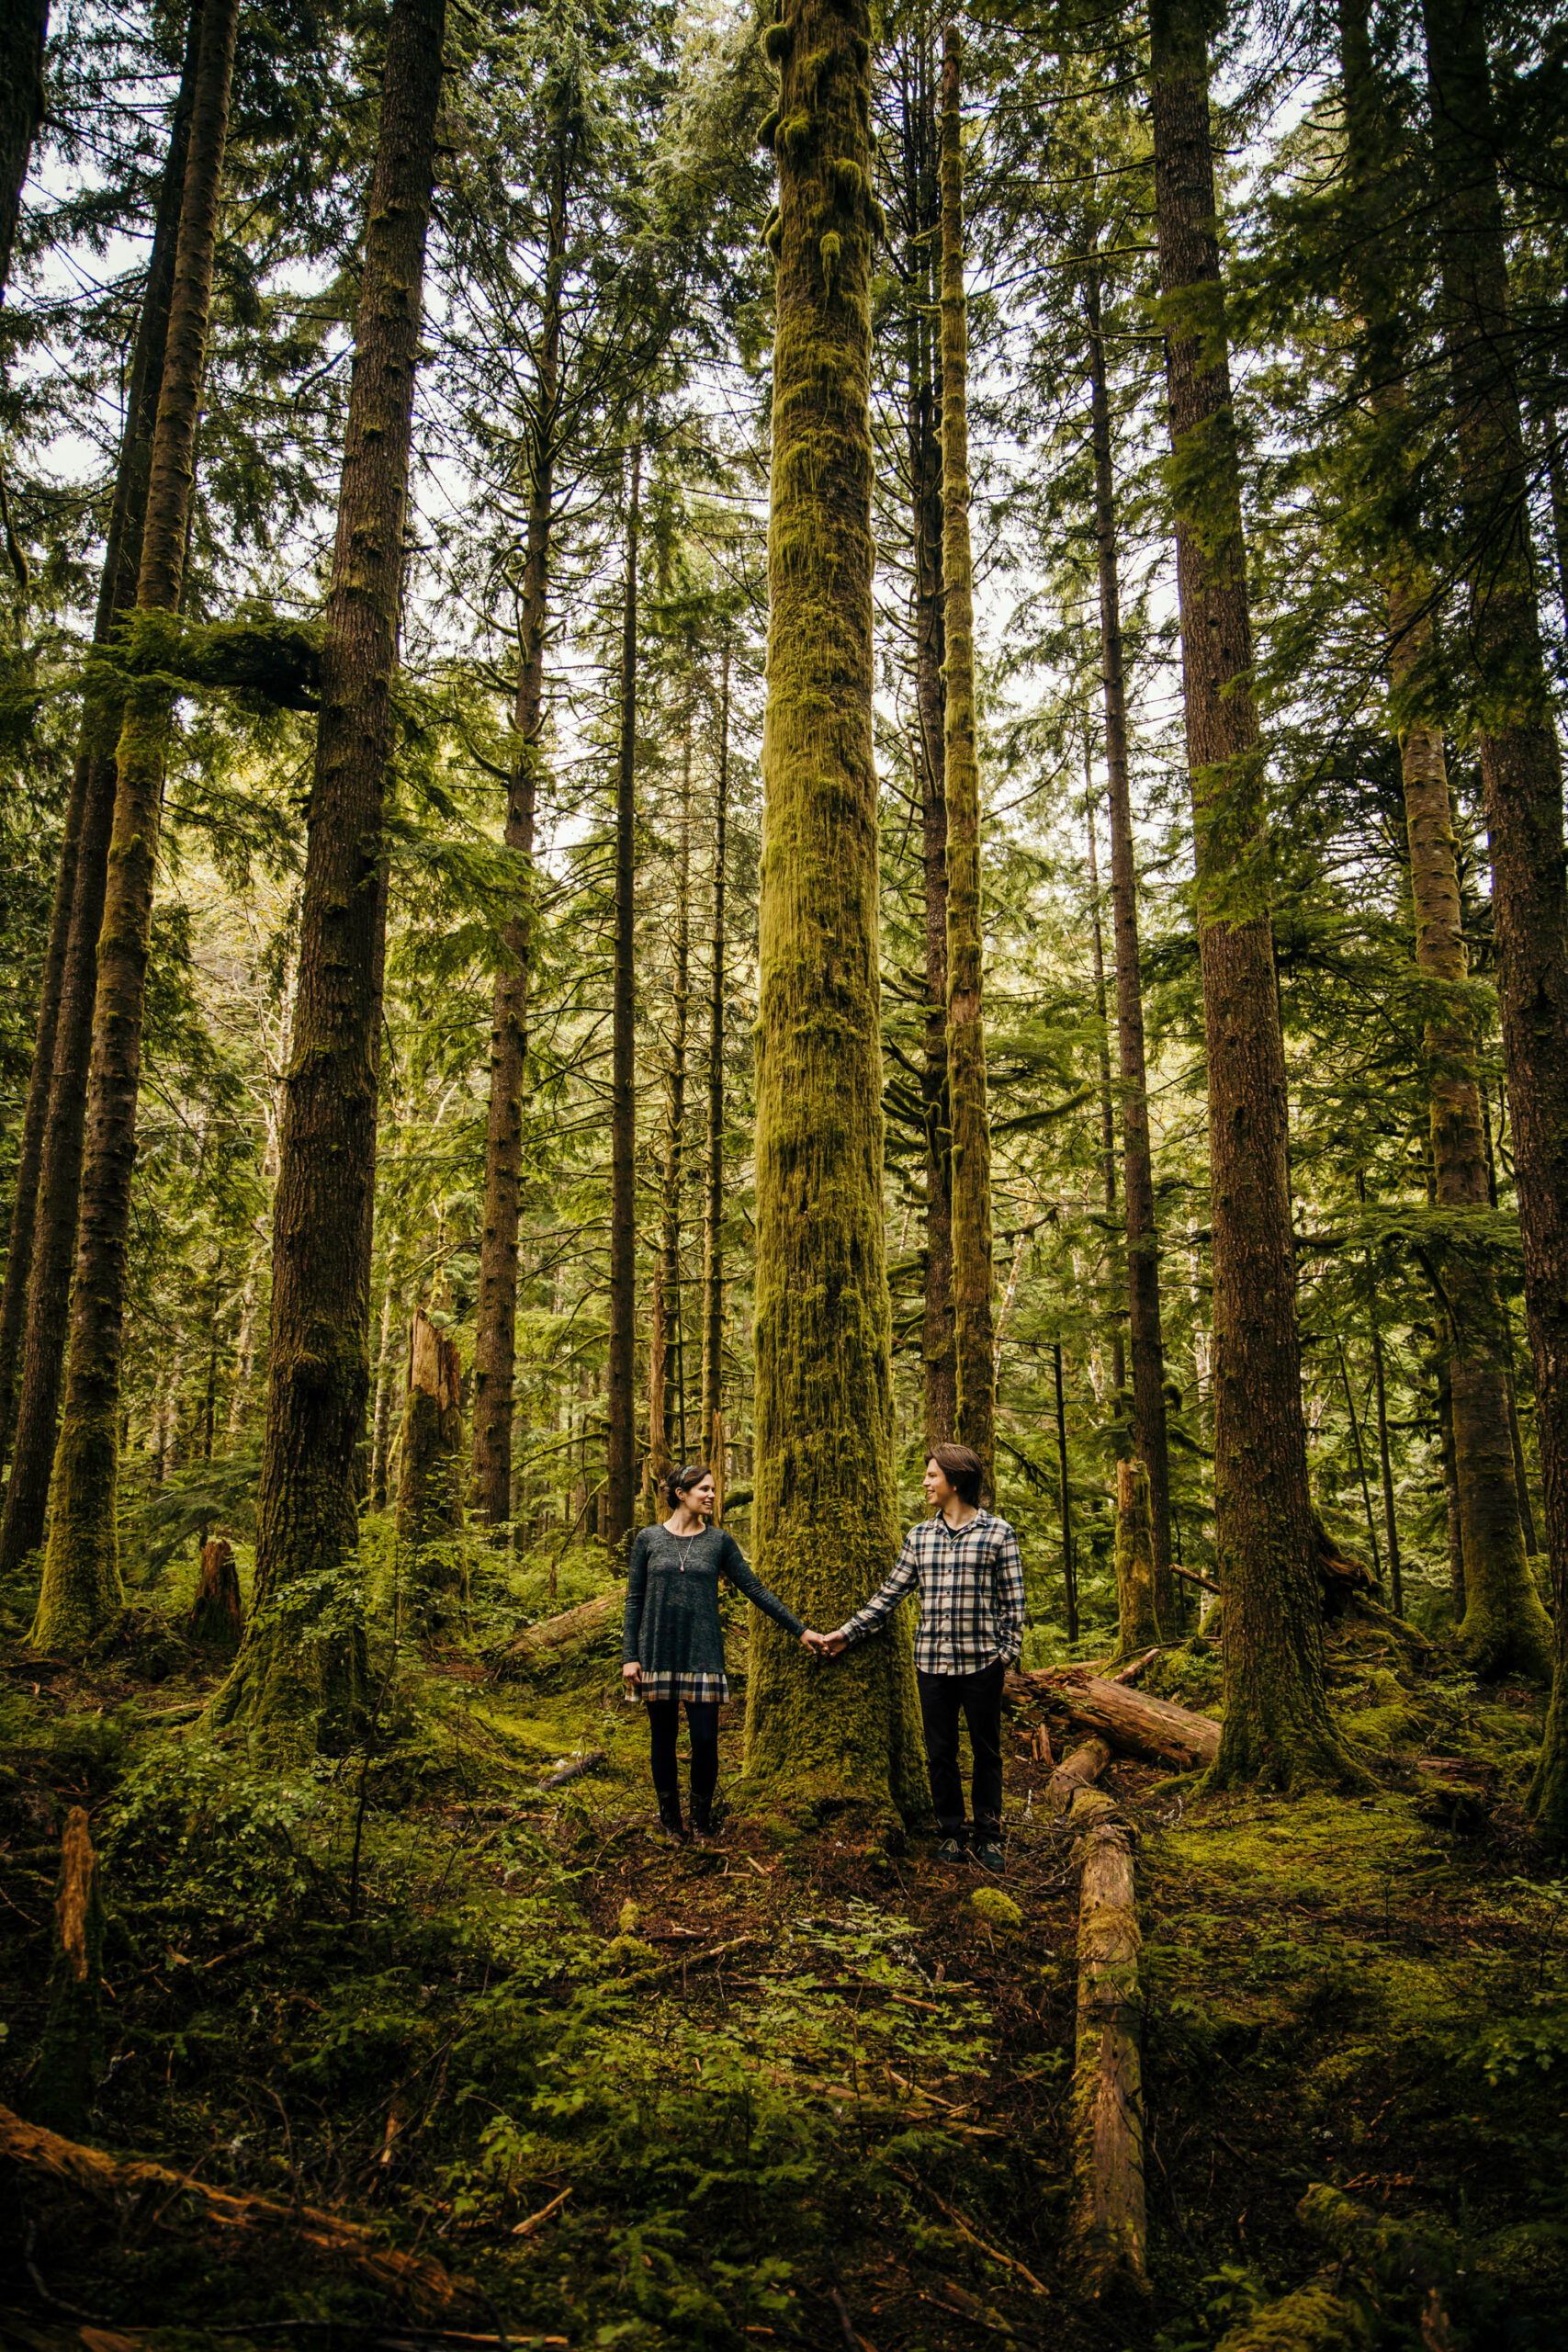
(768, 131)
(1312, 2320)
(997, 1909)
(778, 41)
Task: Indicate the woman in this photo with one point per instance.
(673, 1643)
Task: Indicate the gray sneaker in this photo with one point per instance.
(990, 1855)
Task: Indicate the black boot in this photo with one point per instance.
(671, 1829)
(708, 1818)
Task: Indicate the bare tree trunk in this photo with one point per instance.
(973, 1333)
(1063, 1498)
(671, 1425)
(495, 1328)
(293, 1682)
(34, 1306)
(712, 1439)
(430, 1480)
(82, 1589)
(22, 30)
(1142, 1235)
(1277, 1726)
(620, 1485)
(1107, 1112)
(381, 1420)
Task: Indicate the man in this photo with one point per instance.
(964, 1564)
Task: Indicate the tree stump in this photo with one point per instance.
(70, 2059)
(1134, 1562)
(217, 1613)
(430, 1480)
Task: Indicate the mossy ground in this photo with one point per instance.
(510, 1999)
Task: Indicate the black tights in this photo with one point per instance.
(663, 1723)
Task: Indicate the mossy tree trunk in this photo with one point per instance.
(620, 1480)
(1107, 1108)
(974, 1334)
(1505, 1628)
(1144, 1320)
(430, 1482)
(495, 1325)
(34, 1306)
(1065, 1503)
(1277, 1728)
(81, 1590)
(671, 1419)
(825, 1504)
(1137, 1615)
(297, 1674)
(1521, 772)
(712, 1439)
(22, 32)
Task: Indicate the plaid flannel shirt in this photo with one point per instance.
(970, 1580)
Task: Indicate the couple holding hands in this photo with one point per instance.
(963, 1562)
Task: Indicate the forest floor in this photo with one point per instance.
(504, 2070)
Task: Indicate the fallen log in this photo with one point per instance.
(535, 1644)
(574, 1771)
(1108, 2217)
(1075, 1772)
(1152, 1729)
(115, 2180)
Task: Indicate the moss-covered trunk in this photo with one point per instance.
(430, 1482)
(1505, 1628)
(1520, 767)
(825, 1505)
(1277, 1724)
(297, 1672)
(1065, 1503)
(672, 1416)
(1144, 1317)
(495, 1322)
(33, 1310)
(975, 1422)
(711, 1441)
(22, 30)
(620, 1480)
(1102, 1054)
(81, 1588)
(1137, 1616)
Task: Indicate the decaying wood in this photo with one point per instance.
(534, 1643)
(575, 1769)
(1152, 1729)
(65, 2072)
(1108, 2221)
(1134, 1670)
(217, 1613)
(1075, 1772)
(113, 2180)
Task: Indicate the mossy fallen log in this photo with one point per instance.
(535, 1643)
(117, 2181)
(1076, 1771)
(1109, 2213)
(1130, 1721)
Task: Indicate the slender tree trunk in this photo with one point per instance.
(1390, 1527)
(209, 1401)
(974, 1336)
(1143, 1316)
(81, 1590)
(620, 1484)
(712, 1439)
(430, 1481)
(1107, 1109)
(1522, 785)
(22, 30)
(1064, 1503)
(673, 1429)
(1360, 1452)
(381, 1419)
(292, 1684)
(33, 1308)
(1450, 1478)
(1505, 1628)
(824, 1515)
(1277, 1724)
(495, 1328)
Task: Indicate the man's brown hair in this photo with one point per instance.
(963, 1469)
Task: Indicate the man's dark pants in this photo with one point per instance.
(978, 1698)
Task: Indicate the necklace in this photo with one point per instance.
(687, 1540)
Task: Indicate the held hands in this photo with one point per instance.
(824, 1645)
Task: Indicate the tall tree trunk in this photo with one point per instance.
(381, 1418)
(1065, 1501)
(1107, 1109)
(672, 1431)
(1505, 1629)
(1521, 782)
(974, 1336)
(292, 1683)
(82, 1589)
(22, 30)
(1277, 1728)
(824, 1515)
(1144, 1316)
(711, 1443)
(924, 427)
(430, 1482)
(495, 1326)
(615, 1518)
(33, 1308)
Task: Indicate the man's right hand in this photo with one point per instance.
(631, 1674)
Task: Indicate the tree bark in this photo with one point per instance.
(620, 1484)
(495, 1324)
(81, 1590)
(824, 1512)
(1277, 1728)
(381, 1419)
(65, 2073)
(1107, 1109)
(34, 1306)
(1110, 2223)
(1149, 1435)
(711, 1440)
(1522, 785)
(295, 1682)
(1133, 1724)
(218, 1615)
(430, 1480)
(974, 1336)
(1137, 1615)
(673, 1417)
(1063, 1498)
(22, 32)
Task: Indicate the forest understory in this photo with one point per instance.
(506, 2071)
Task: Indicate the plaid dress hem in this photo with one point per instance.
(707, 1689)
